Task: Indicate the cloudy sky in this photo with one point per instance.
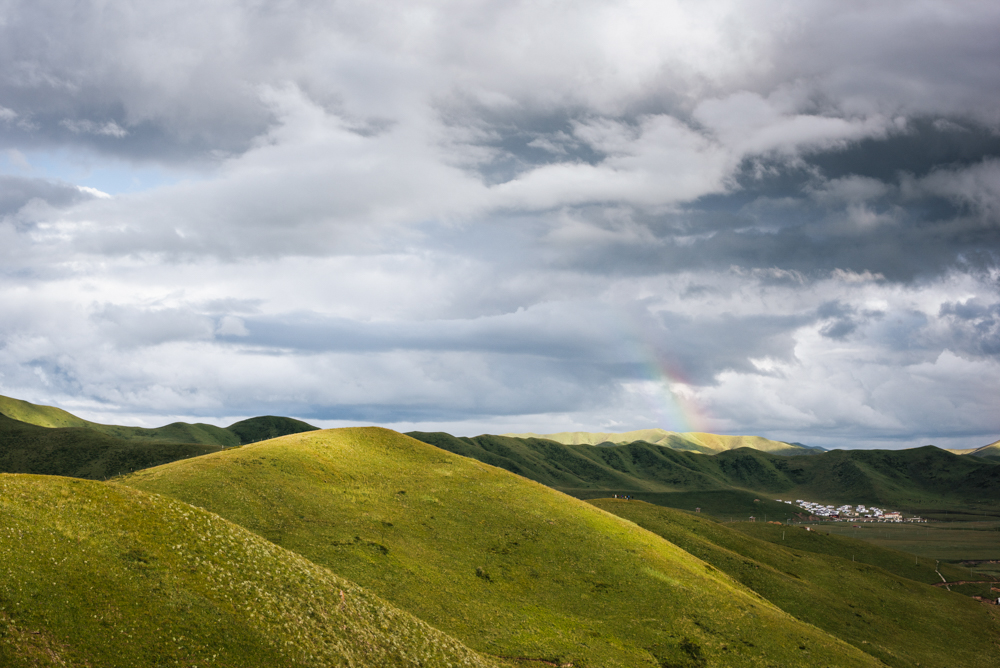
(749, 217)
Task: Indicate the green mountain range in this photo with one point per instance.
(689, 441)
(364, 547)
(743, 481)
(245, 431)
(48, 440)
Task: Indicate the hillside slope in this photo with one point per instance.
(866, 602)
(96, 574)
(687, 441)
(730, 481)
(505, 565)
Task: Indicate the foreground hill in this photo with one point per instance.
(745, 481)
(870, 602)
(507, 566)
(95, 574)
(688, 441)
(245, 431)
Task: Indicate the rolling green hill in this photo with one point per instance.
(50, 441)
(83, 453)
(689, 441)
(95, 574)
(245, 431)
(867, 596)
(507, 566)
(727, 483)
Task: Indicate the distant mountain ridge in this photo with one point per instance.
(50, 441)
(991, 451)
(744, 479)
(692, 441)
(242, 432)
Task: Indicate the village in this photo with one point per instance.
(848, 513)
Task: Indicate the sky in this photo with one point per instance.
(768, 218)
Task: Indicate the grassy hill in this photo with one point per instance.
(245, 431)
(920, 479)
(867, 596)
(688, 441)
(96, 574)
(509, 567)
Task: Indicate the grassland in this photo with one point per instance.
(944, 541)
(868, 596)
(507, 566)
(96, 574)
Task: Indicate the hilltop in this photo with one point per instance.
(507, 566)
(96, 574)
(688, 441)
(745, 481)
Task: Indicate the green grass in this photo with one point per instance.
(97, 574)
(728, 505)
(507, 566)
(868, 596)
(945, 541)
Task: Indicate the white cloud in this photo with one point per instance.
(502, 216)
(93, 192)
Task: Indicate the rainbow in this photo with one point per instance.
(664, 388)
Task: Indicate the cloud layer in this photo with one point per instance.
(745, 217)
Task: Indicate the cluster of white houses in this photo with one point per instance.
(857, 513)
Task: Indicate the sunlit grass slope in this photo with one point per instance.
(873, 602)
(96, 574)
(505, 565)
(41, 416)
